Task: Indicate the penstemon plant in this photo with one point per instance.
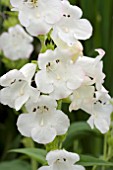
(61, 74)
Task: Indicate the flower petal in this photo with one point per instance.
(77, 167)
(15, 3)
(43, 134)
(83, 29)
(43, 83)
(60, 122)
(60, 91)
(45, 168)
(26, 123)
(38, 28)
(52, 11)
(28, 71)
(52, 156)
(20, 101)
(6, 97)
(10, 77)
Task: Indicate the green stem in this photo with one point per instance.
(105, 147)
(110, 153)
(105, 150)
(42, 39)
(94, 167)
(34, 164)
(66, 100)
(59, 107)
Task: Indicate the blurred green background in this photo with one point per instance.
(100, 14)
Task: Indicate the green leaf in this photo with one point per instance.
(37, 154)
(15, 164)
(87, 160)
(78, 128)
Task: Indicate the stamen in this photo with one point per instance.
(13, 81)
(57, 61)
(58, 77)
(42, 122)
(66, 30)
(68, 16)
(64, 159)
(46, 108)
(48, 65)
(52, 67)
(64, 15)
(21, 92)
(38, 107)
(34, 110)
(31, 3)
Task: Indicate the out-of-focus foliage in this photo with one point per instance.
(100, 14)
(16, 164)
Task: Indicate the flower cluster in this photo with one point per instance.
(62, 73)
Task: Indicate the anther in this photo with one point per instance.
(34, 110)
(64, 159)
(48, 65)
(64, 15)
(38, 107)
(57, 61)
(46, 108)
(13, 81)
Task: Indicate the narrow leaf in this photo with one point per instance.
(78, 128)
(37, 154)
(15, 164)
(87, 160)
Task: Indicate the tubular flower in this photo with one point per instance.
(16, 44)
(82, 98)
(58, 75)
(44, 122)
(101, 112)
(93, 69)
(62, 160)
(17, 89)
(71, 28)
(38, 16)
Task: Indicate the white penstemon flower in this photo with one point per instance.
(71, 28)
(58, 75)
(38, 16)
(43, 122)
(101, 111)
(62, 160)
(82, 98)
(16, 43)
(93, 69)
(74, 51)
(17, 89)
(98, 107)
